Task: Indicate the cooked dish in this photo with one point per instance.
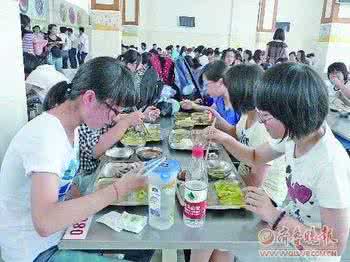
(219, 169)
(229, 193)
(148, 153)
(133, 138)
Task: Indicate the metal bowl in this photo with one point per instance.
(218, 169)
(149, 153)
(120, 152)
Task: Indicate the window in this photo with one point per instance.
(187, 21)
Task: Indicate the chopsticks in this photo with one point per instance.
(143, 124)
(209, 142)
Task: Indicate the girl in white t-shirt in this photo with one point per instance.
(241, 81)
(42, 160)
(292, 102)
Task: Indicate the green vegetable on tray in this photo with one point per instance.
(154, 135)
(182, 115)
(229, 193)
(133, 138)
(184, 123)
(141, 195)
(181, 134)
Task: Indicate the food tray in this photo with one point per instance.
(107, 173)
(202, 118)
(193, 119)
(213, 201)
(155, 133)
(138, 138)
(187, 140)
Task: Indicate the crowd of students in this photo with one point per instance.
(59, 47)
(270, 108)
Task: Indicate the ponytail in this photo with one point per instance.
(57, 95)
(105, 76)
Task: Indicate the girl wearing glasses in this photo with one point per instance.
(292, 100)
(241, 82)
(43, 158)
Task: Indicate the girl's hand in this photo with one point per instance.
(198, 101)
(151, 113)
(258, 202)
(337, 82)
(186, 104)
(133, 119)
(215, 135)
(131, 182)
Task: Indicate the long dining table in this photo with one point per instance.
(235, 230)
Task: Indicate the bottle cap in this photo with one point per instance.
(198, 152)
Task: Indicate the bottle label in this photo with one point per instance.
(154, 201)
(195, 203)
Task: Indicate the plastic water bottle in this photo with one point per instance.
(161, 195)
(196, 190)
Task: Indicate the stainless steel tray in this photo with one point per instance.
(106, 174)
(213, 201)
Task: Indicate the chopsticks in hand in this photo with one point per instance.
(143, 124)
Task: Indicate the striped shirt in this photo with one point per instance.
(27, 43)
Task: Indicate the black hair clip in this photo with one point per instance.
(69, 89)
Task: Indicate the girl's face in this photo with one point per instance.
(211, 58)
(229, 58)
(132, 66)
(292, 58)
(299, 56)
(262, 58)
(97, 114)
(215, 89)
(54, 30)
(273, 126)
(336, 74)
(36, 30)
(245, 56)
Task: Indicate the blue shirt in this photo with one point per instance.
(231, 116)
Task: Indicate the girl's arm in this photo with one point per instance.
(190, 105)
(222, 124)
(50, 216)
(257, 175)
(335, 222)
(115, 134)
(252, 156)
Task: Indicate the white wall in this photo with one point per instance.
(13, 109)
(159, 18)
(159, 22)
(305, 18)
(245, 16)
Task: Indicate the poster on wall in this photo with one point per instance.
(35, 9)
(69, 14)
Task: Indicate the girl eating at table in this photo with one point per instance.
(43, 158)
(213, 75)
(241, 82)
(95, 142)
(292, 102)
